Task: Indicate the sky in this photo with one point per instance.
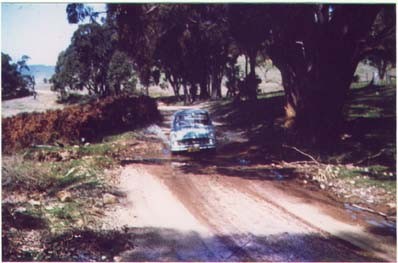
(40, 31)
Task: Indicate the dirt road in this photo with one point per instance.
(201, 208)
(45, 100)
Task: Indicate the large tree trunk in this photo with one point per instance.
(317, 71)
(315, 92)
(314, 102)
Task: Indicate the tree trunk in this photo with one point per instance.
(187, 99)
(317, 70)
(174, 84)
(252, 81)
(315, 93)
(203, 90)
(193, 90)
(382, 66)
(216, 86)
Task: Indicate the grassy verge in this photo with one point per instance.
(54, 191)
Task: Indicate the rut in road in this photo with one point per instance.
(262, 230)
(185, 217)
(161, 227)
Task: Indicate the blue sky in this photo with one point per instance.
(40, 31)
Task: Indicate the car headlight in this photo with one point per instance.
(212, 135)
(173, 139)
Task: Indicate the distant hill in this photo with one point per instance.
(40, 72)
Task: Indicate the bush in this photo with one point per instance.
(89, 122)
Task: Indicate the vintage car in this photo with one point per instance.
(192, 131)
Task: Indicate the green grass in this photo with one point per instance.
(75, 98)
(371, 102)
(80, 173)
(270, 95)
(69, 212)
(372, 176)
(371, 118)
(121, 137)
(95, 149)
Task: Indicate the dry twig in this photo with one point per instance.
(303, 153)
(369, 210)
(371, 157)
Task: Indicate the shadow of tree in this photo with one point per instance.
(369, 129)
(158, 244)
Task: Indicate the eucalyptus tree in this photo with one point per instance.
(15, 78)
(250, 26)
(317, 48)
(92, 62)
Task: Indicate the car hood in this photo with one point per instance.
(193, 133)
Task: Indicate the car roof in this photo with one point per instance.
(190, 111)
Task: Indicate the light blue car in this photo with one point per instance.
(192, 131)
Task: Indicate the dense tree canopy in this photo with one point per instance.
(315, 46)
(92, 62)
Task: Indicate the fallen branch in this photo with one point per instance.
(303, 153)
(369, 210)
(298, 163)
(371, 157)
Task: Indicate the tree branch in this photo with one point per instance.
(303, 153)
(371, 157)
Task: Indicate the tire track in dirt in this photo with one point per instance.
(235, 212)
(188, 193)
(246, 188)
(211, 201)
(346, 234)
(160, 225)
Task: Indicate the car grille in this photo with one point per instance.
(196, 141)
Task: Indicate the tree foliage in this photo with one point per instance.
(120, 73)
(188, 43)
(14, 82)
(92, 62)
(315, 46)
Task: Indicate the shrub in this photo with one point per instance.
(88, 122)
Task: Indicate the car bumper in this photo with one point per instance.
(192, 148)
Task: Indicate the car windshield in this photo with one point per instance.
(192, 119)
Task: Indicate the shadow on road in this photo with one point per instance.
(154, 244)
